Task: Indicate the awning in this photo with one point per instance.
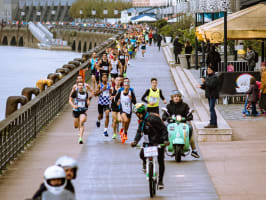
(243, 25)
(145, 19)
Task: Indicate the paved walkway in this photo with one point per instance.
(108, 169)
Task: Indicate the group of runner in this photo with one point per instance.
(112, 87)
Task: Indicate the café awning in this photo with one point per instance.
(246, 24)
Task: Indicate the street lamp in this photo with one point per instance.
(81, 13)
(38, 13)
(105, 12)
(93, 12)
(22, 14)
(116, 14)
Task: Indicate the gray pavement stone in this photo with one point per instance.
(111, 170)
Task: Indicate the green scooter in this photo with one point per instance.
(178, 134)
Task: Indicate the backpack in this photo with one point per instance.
(256, 56)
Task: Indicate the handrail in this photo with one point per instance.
(17, 130)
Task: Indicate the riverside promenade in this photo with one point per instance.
(111, 170)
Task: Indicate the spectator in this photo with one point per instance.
(253, 95)
(263, 88)
(150, 38)
(211, 87)
(250, 57)
(213, 58)
(154, 36)
(188, 50)
(177, 49)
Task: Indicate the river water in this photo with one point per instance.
(21, 67)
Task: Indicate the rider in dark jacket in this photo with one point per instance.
(178, 107)
(155, 133)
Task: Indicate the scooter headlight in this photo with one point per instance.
(178, 118)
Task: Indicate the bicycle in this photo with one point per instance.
(150, 153)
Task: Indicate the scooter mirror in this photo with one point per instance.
(164, 110)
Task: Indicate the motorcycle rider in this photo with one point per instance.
(55, 183)
(155, 133)
(70, 166)
(178, 107)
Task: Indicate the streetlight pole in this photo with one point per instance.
(116, 14)
(80, 12)
(105, 12)
(93, 12)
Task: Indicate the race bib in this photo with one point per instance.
(122, 57)
(106, 93)
(81, 104)
(105, 68)
(153, 100)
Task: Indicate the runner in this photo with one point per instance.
(92, 66)
(115, 108)
(79, 100)
(116, 68)
(104, 66)
(86, 86)
(143, 47)
(123, 59)
(153, 96)
(125, 98)
(104, 92)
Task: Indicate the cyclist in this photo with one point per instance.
(54, 185)
(178, 107)
(104, 93)
(114, 107)
(153, 96)
(155, 133)
(125, 97)
(79, 100)
(104, 66)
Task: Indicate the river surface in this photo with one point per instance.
(21, 67)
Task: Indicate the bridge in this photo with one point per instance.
(111, 170)
(80, 39)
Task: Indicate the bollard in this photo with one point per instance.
(63, 71)
(43, 84)
(81, 60)
(76, 63)
(29, 91)
(69, 66)
(54, 77)
(12, 103)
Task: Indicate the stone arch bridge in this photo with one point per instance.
(79, 39)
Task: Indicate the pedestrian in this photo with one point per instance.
(253, 93)
(213, 58)
(154, 36)
(263, 88)
(153, 95)
(188, 51)
(250, 57)
(159, 41)
(150, 37)
(177, 50)
(143, 47)
(211, 87)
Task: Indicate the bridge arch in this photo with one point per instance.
(90, 46)
(21, 42)
(79, 46)
(85, 46)
(13, 41)
(5, 41)
(95, 44)
(74, 45)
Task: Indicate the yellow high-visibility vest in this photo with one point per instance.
(154, 97)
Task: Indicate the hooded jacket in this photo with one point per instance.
(179, 108)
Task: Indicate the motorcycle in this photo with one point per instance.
(178, 134)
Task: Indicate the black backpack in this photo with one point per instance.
(256, 56)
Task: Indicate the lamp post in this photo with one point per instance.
(105, 12)
(38, 13)
(93, 12)
(225, 5)
(116, 14)
(81, 13)
(22, 14)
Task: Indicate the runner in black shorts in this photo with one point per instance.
(114, 107)
(79, 100)
(92, 67)
(104, 66)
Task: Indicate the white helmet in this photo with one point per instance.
(54, 172)
(68, 162)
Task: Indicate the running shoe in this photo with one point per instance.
(125, 137)
(114, 136)
(105, 133)
(122, 135)
(98, 124)
(195, 154)
(80, 141)
(160, 185)
(125, 75)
